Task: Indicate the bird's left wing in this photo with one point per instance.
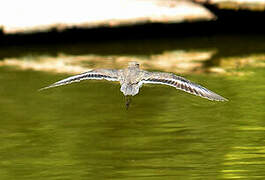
(180, 83)
(98, 74)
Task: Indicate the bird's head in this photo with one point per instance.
(133, 64)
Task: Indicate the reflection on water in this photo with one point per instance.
(83, 131)
(185, 62)
(173, 61)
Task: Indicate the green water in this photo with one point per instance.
(83, 131)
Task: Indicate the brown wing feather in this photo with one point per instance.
(108, 74)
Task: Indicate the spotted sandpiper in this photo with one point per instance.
(132, 78)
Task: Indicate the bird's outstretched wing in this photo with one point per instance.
(182, 84)
(108, 74)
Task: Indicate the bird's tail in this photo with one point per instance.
(130, 89)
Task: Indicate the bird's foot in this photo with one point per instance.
(128, 101)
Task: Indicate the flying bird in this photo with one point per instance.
(132, 78)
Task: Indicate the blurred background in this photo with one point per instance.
(83, 131)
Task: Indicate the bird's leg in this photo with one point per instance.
(128, 101)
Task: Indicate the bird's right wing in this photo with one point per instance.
(108, 74)
(181, 84)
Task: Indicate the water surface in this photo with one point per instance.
(83, 131)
